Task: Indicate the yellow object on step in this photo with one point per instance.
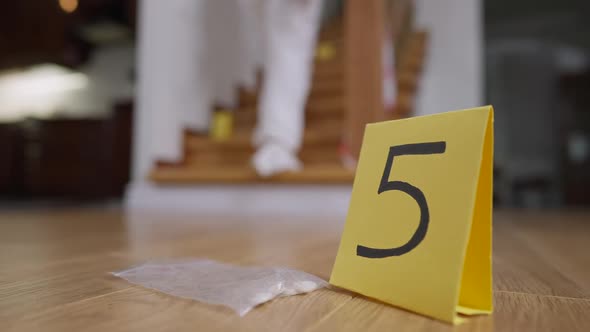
(325, 51)
(222, 125)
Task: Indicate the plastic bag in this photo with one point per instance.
(238, 287)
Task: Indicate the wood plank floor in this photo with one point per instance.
(54, 268)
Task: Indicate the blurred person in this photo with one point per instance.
(195, 54)
(290, 35)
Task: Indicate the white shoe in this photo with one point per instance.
(271, 159)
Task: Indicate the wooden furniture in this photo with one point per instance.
(55, 273)
(575, 136)
(12, 156)
(64, 157)
(345, 95)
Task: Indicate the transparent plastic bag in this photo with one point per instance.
(237, 287)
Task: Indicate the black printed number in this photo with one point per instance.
(414, 192)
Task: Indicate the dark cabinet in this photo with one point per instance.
(78, 158)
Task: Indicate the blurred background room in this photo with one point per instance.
(242, 106)
(136, 131)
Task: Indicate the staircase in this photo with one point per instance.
(210, 161)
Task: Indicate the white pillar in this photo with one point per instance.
(453, 72)
(168, 97)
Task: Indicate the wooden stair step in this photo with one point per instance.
(328, 70)
(311, 174)
(325, 88)
(332, 29)
(237, 146)
(245, 117)
(413, 55)
(247, 121)
(332, 104)
(407, 80)
(308, 155)
(403, 106)
(248, 98)
(242, 139)
(327, 107)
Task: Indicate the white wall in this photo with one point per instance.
(453, 74)
(168, 95)
(141, 119)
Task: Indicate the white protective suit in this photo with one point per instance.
(196, 53)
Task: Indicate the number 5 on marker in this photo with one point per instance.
(414, 192)
(418, 230)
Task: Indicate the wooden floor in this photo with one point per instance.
(54, 274)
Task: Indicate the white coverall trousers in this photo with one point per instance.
(196, 53)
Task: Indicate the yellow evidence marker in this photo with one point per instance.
(418, 230)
